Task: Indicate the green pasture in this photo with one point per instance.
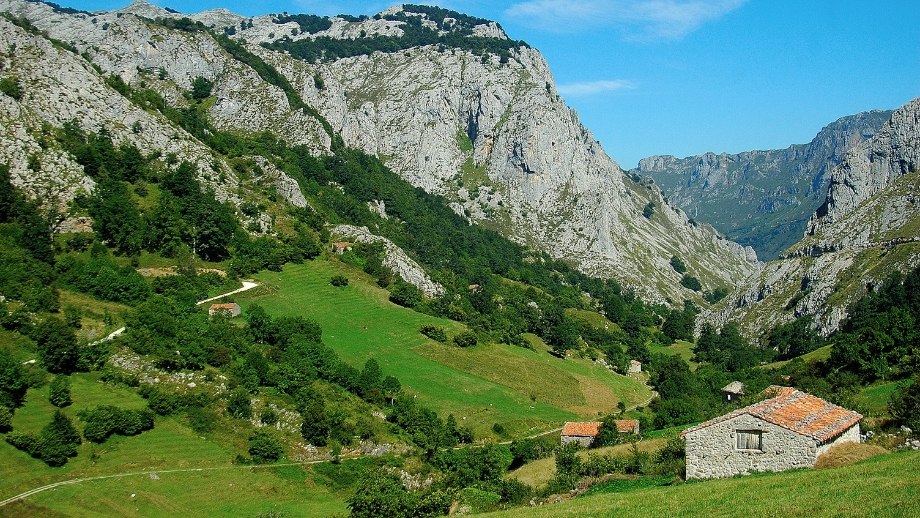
(819, 354)
(875, 398)
(680, 348)
(484, 384)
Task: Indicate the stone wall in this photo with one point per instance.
(711, 451)
(851, 435)
(585, 442)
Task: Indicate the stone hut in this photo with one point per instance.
(583, 433)
(627, 426)
(635, 366)
(732, 393)
(789, 430)
(231, 310)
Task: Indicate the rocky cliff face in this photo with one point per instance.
(866, 229)
(762, 198)
(487, 131)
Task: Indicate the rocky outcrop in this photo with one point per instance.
(761, 198)
(894, 152)
(866, 229)
(395, 259)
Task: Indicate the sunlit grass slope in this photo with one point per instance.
(522, 389)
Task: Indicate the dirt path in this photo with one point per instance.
(246, 286)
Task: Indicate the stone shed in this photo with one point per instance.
(790, 429)
(732, 393)
(230, 310)
(583, 433)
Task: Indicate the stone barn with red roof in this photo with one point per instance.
(789, 430)
(583, 433)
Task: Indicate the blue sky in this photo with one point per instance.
(683, 77)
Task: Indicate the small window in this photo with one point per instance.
(750, 440)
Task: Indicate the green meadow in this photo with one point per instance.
(525, 391)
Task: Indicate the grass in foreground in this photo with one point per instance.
(886, 485)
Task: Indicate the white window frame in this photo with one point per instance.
(744, 439)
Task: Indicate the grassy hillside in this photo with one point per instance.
(211, 484)
(519, 388)
(887, 485)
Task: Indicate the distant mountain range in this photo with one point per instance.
(762, 199)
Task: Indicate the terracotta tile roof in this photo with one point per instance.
(583, 429)
(627, 425)
(635, 362)
(341, 244)
(796, 411)
(223, 306)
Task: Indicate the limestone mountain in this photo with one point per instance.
(446, 100)
(865, 230)
(761, 198)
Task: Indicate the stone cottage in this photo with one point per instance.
(790, 429)
(583, 433)
(230, 310)
(635, 366)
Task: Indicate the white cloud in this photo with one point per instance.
(594, 87)
(639, 19)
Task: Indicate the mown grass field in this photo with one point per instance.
(884, 486)
(482, 385)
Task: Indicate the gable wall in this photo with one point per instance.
(711, 451)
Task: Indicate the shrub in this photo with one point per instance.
(690, 282)
(6, 419)
(162, 403)
(264, 447)
(59, 391)
(406, 295)
(649, 210)
(238, 404)
(10, 86)
(678, 265)
(466, 339)
(339, 280)
(436, 333)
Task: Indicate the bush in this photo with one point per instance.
(339, 280)
(406, 295)
(162, 403)
(6, 419)
(264, 447)
(438, 334)
(238, 404)
(690, 282)
(678, 265)
(11, 87)
(59, 391)
(466, 339)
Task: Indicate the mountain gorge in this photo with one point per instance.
(865, 230)
(484, 128)
(761, 198)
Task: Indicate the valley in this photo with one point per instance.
(300, 265)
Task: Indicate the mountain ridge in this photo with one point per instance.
(762, 198)
(488, 131)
